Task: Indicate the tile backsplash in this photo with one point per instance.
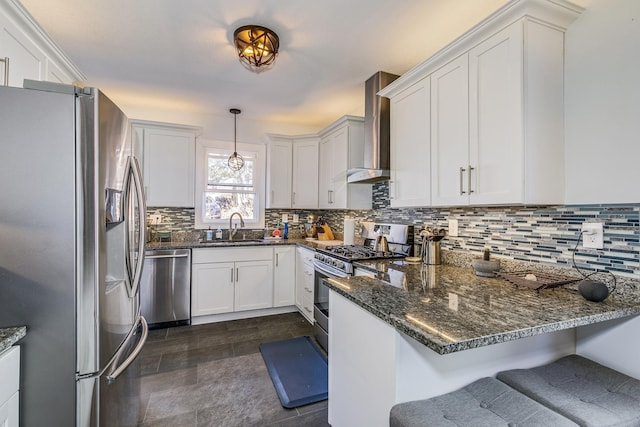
(545, 234)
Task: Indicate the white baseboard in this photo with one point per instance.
(213, 318)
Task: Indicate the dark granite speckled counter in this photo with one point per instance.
(10, 336)
(311, 244)
(449, 308)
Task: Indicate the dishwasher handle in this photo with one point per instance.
(166, 256)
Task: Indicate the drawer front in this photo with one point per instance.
(9, 373)
(307, 304)
(230, 254)
(306, 256)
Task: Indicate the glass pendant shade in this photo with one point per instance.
(235, 162)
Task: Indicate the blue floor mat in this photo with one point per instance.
(298, 369)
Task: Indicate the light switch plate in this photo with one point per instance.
(155, 219)
(453, 227)
(296, 218)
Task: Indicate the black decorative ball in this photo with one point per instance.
(593, 290)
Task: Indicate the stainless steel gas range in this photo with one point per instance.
(337, 261)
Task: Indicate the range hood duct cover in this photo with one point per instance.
(377, 139)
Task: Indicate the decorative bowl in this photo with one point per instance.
(485, 268)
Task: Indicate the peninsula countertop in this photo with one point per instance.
(10, 336)
(449, 308)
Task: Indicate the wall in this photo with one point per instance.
(540, 234)
(602, 109)
(218, 127)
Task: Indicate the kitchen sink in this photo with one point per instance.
(239, 241)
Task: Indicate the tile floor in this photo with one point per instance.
(214, 375)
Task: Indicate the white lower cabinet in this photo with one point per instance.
(226, 280)
(213, 288)
(9, 385)
(304, 282)
(284, 276)
(254, 285)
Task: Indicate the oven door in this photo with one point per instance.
(321, 302)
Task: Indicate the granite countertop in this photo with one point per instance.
(448, 308)
(311, 244)
(9, 336)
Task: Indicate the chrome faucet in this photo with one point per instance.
(233, 231)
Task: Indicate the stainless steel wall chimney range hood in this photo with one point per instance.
(376, 132)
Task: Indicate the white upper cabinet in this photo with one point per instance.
(450, 133)
(341, 149)
(279, 172)
(496, 111)
(168, 162)
(496, 167)
(31, 53)
(305, 173)
(410, 183)
(292, 171)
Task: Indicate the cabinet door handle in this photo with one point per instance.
(6, 70)
(277, 260)
(470, 169)
(330, 196)
(294, 198)
(237, 274)
(462, 171)
(308, 309)
(231, 275)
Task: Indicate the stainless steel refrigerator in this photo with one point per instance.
(71, 254)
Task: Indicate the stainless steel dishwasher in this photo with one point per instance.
(165, 289)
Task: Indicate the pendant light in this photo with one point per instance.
(235, 162)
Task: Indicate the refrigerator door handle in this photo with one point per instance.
(133, 174)
(142, 220)
(118, 369)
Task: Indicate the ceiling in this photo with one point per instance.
(178, 55)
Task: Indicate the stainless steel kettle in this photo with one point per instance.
(431, 245)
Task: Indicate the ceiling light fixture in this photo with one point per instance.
(257, 47)
(235, 162)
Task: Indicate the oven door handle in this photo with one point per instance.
(329, 272)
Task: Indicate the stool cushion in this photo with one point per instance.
(486, 402)
(582, 390)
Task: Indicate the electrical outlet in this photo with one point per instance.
(453, 227)
(155, 219)
(296, 218)
(592, 235)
